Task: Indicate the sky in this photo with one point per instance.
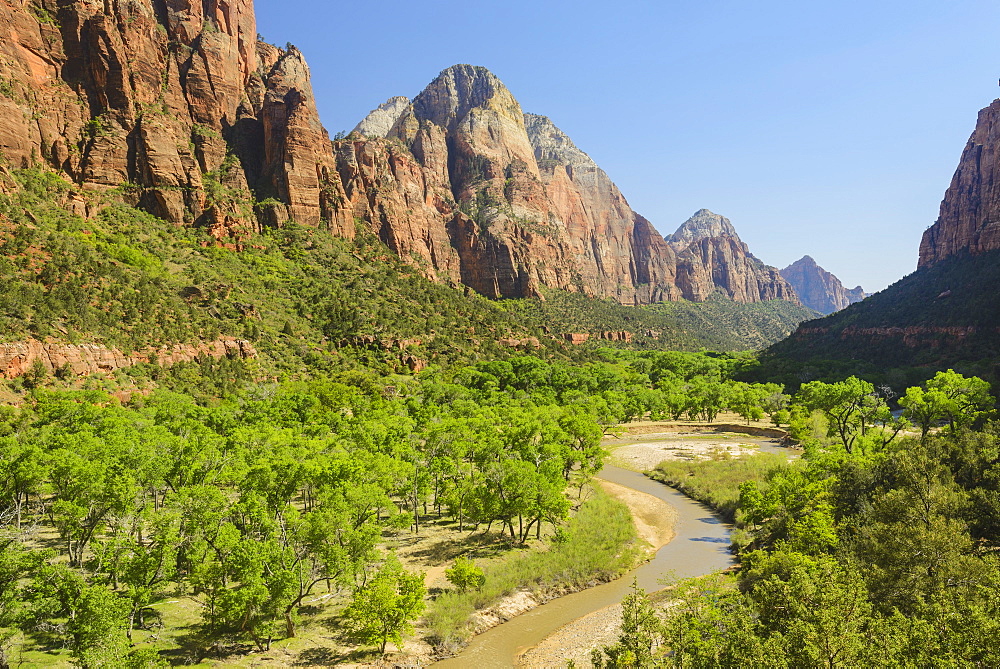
(829, 129)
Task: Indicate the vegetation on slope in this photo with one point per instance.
(307, 300)
(718, 324)
(310, 303)
(959, 292)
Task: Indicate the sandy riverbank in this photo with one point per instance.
(642, 447)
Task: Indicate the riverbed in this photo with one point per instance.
(700, 546)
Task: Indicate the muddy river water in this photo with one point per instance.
(701, 546)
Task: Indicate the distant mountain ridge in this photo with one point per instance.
(549, 211)
(819, 289)
(181, 109)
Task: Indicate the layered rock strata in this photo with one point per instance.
(177, 105)
(818, 289)
(969, 219)
(17, 358)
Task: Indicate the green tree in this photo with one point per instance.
(464, 574)
(924, 407)
(384, 609)
(853, 407)
(641, 631)
(98, 628)
(968, 398)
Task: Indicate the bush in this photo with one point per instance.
(601, 545)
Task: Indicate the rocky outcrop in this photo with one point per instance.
(855, 294)
(178, 106)
(527, 343)
(380, 120)
(711, 256)
(18, 358)
(818, 289)
(913, 336)
(969, 219)
(703, 224)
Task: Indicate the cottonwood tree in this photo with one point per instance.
(385, 607)
(641, 632)
(464, 574)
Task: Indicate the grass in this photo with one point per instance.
(717, 482)
(601, 545)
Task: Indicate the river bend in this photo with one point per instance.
(700, 546)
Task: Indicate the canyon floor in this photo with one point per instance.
(642, 446)
(639, 446)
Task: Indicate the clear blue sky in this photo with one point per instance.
(823, 128)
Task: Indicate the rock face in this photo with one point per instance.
(380, 120)
(175, 103)
(818, 289)
(528, 208)
(969, 219)
(618, 252)
(178, 106)
(79, 359)
(711, 256)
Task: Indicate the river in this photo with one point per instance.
(701, 546)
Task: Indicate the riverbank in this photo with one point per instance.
(656, 523)
(700, 546)
(642, 447)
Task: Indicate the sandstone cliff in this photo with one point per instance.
(178, 106)
(711, 256)
(529, 208)
(17, 358)
(818, 289)
(969, 219)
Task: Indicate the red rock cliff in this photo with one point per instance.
(152, 98)
(176, 104)
(522, 206)
(970, 211)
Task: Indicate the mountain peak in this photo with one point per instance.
(703, 224)
(380, 120)
(804, 261)
(819, 289)
(461, 88)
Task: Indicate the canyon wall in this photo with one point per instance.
(179, 108)
(174, 104)
(969, 220)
